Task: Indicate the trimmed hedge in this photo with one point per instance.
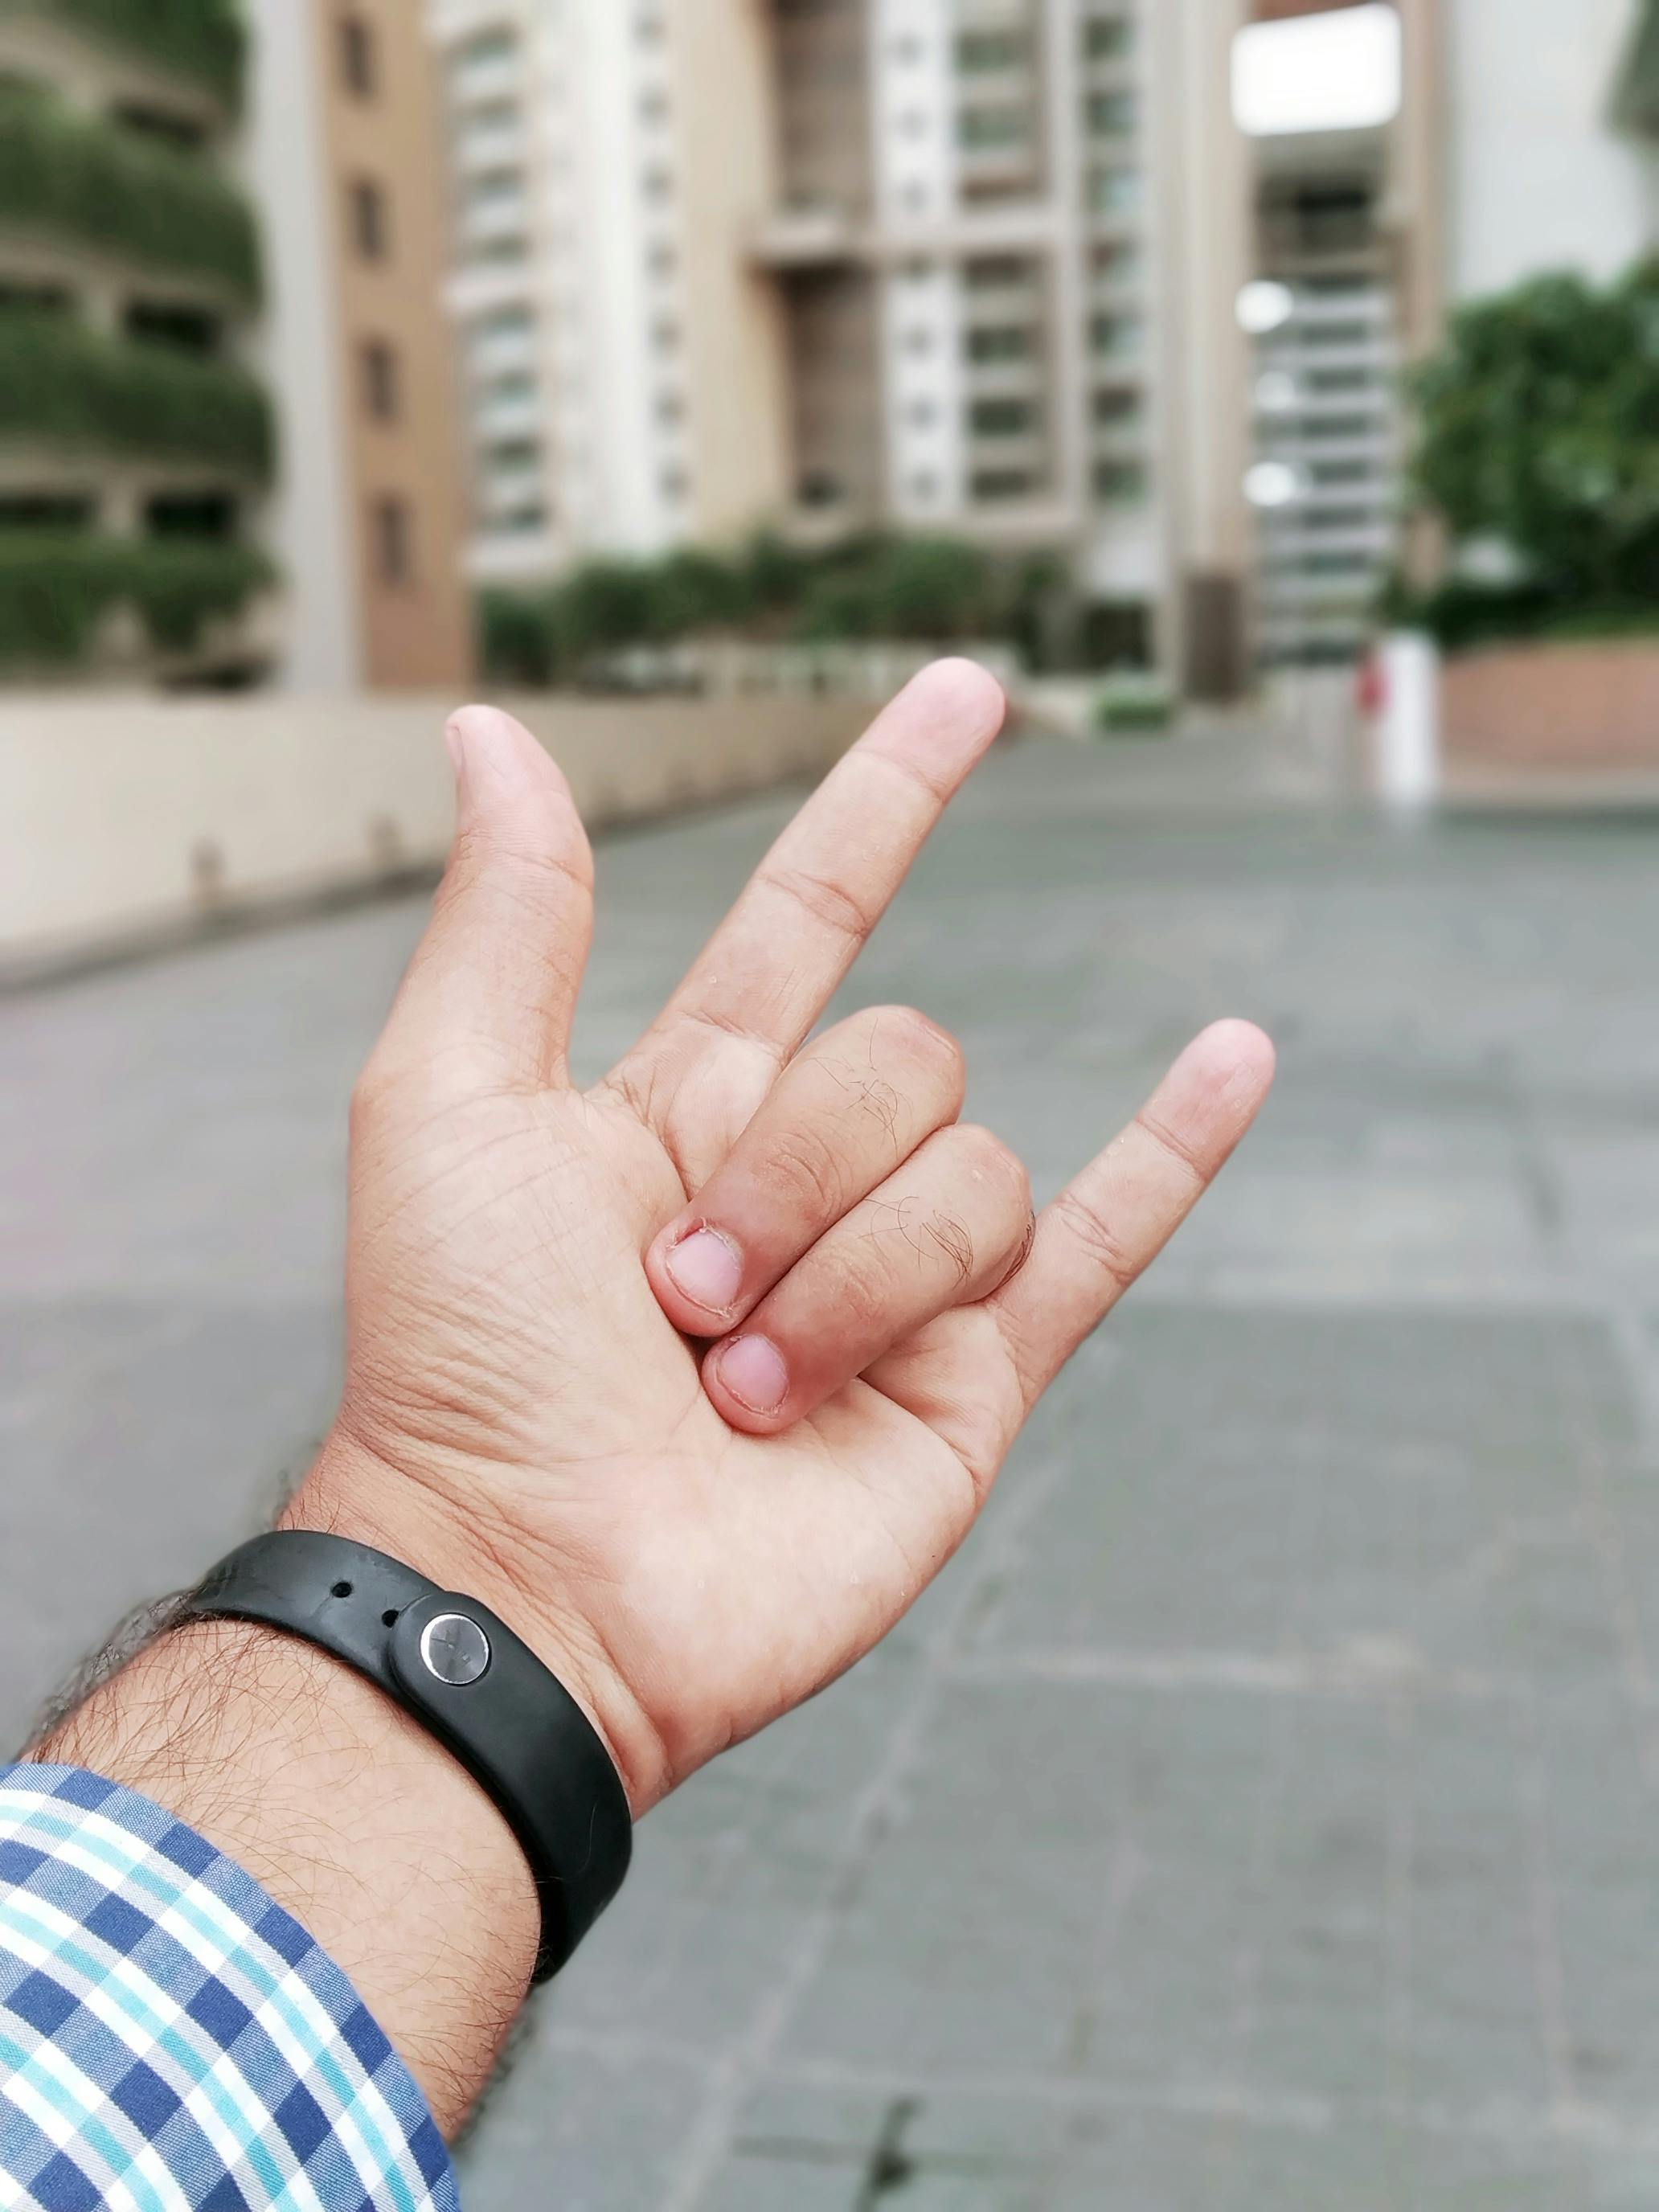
(204, 40)
(72, 386)
(54, 590)
(122, 194)
(872, 586)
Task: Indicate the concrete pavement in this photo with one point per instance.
(1261, 1815)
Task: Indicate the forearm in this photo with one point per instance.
(352, 1817)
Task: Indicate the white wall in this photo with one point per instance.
(1536, 178)
(123, 821)
(296, 348)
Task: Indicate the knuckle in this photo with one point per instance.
(806, 1169)
(917, 1041)
(1094, 1234)
(996, 1164)
(857, 1294)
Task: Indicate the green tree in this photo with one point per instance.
(1539, 433)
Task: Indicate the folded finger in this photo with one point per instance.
(842, 1117)
(943, 1233)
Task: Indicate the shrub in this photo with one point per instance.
(869, 587)
(201, 40)
(128, 195)
(55, 590)
(71, 385)
(1539, 436)
(1135, 705)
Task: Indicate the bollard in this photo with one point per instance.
(1407, 747)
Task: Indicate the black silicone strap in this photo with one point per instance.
(465, 1676)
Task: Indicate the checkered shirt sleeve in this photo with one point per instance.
(171, 2040)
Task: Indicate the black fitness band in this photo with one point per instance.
(468, 1679)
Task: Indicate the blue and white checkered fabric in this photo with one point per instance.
(171, 2038)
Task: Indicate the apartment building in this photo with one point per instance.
(1526, 138)
(137, 449)
(368, 518)
(939, 263)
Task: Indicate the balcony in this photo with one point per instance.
(809, 234)
(66, 388)
(70, 178)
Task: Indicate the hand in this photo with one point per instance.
(697, 1551)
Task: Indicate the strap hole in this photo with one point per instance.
(343, 1589)
(390, 1619)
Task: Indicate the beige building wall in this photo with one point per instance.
(396, 378)
(736, 335)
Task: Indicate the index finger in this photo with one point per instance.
(774, 963)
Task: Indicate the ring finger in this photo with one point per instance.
(840, 1119)
(946, 1231)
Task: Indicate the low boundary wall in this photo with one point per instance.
(127, 822)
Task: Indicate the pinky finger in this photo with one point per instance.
(1106, 1229)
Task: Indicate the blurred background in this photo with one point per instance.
(1261, 1814)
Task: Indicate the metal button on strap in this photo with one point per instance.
(455, 1650)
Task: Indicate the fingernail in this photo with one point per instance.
(752, 1369)
(707, 1268)
(457, 747)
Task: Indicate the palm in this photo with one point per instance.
(507, 1349)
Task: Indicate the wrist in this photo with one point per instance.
(355, 1819)
(428, 1514)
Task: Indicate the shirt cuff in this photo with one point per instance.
(170, 2036)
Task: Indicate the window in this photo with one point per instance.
(371, 228)
(1121, 483)
(1112, 114)
(393, 540)
(992, 272)
(1000, 342)
(514, 453)
(498, 44)
(981, 53)
(1114, 336)
(67, 514)
(1108, 38)
(1003, 418)
(992, 130)
(183, 132)
(360, 59)
(209, 515)
(507, 323)
(1115, 191)
(187, 330)
(992, 485)
(1118, 406)
(382, 393)
(676, 486)
(517, 384)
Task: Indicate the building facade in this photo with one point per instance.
(368, 515)
(227, 452)
(936, 263)
(137, 449)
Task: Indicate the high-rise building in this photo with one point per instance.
(369, 516)
(226, 447)
(137, 449)
(951, 265)
(1526, 139)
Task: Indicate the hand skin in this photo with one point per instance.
(525, 1417)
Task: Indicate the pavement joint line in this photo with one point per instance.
(1248, 1673)
(748, 2059)
(1504, 2121)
